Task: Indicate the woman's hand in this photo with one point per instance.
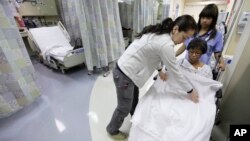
(221, 65)
(194, 96)
(163, 75)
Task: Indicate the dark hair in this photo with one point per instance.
(210, 11)
(185, 23)
(198, 43)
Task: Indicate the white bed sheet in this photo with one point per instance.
(57, 51)
(48, 37)
(166, 114)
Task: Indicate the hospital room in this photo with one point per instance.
(124, 70)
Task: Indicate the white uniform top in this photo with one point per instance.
(144, 55)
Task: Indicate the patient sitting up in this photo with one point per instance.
(193, 64)
(165, 112)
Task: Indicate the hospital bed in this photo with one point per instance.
(53, 48)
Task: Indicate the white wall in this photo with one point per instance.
(236, 99)
(194, 7)
(229, 8)
(236, 79)
(234, 37)
(235, 106)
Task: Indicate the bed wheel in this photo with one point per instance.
(106, 71)
(83, 65)
(106, 74)
(90, 72)
(40, 58)
(62, 70)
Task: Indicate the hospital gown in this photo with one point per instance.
(166, 114)
(205, 70)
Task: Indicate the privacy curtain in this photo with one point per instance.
(69, 18)
(145, 13)
(126, 8)
(100, 30)
(17, 76)
(149, 12)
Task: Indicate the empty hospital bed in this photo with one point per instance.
(53, 47)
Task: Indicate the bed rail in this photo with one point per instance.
(75, 51)
(65, 32)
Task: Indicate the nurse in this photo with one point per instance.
(207, 31)
(153, 46)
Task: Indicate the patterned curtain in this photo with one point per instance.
(164, 9)
(17, 76)
(100, 30)
(69, 19)
(126, 13)
(145, 13)
(148, 12)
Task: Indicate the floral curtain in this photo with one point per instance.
(17, 76)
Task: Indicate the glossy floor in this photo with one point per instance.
(73, 107)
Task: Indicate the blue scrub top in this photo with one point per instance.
(214, 45)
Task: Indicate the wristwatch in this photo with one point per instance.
(189, 92)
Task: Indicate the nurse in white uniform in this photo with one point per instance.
(153, 46)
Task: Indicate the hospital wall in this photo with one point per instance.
(232, 43)
(235, 107)
(230, 47)
(235, 102)
(194, 7)
(236, 99)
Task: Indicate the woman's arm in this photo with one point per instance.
(168, 58)
(218, 50)
(221, 63)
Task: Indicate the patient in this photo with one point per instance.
(195, 50)
(165, 113)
